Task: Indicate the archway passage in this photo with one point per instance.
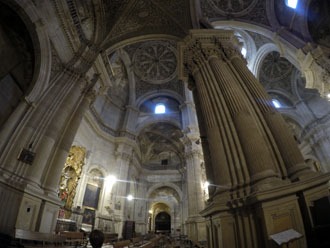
(163, 223)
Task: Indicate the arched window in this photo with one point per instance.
(160, 108)
(243, 51)
(291, 3)
(276, 103)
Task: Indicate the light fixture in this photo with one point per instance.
(130, 197)
(111, 179)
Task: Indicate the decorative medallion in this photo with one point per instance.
(155, 62)
(275, 67)
(233, 7)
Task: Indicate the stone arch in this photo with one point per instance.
(152, 118)
(167, 184)
(150, 94)
(41, 45)
(141, 38)
(287, 50)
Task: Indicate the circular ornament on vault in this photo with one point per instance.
(275, 68)
(155, 62)
(233, 7)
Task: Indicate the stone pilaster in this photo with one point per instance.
(87, 97)
(189, 119)
(131, 116)
(123, 161)
(195, 192)
(195, 189)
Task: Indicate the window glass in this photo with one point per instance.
(291, 3)
(160, 108)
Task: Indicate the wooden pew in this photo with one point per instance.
(147, 245)
(110, 238)
(137, 241)
(74, 238)
(157, 240)
(26, 236)
(121, 244)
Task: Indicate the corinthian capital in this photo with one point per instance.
(202, 44)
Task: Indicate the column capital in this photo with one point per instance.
(124, 152)
(200, 45)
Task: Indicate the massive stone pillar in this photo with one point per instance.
(87, 96)
(296, 168)
(32, 133)
(46, 129)
(254, 163)
(235, 133)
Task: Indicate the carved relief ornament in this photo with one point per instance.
(155, 62)
(233, 7)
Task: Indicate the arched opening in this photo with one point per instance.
(16, 73)
(163, 223)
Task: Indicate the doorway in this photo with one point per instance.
(163, 223)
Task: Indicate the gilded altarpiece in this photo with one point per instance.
(70, 176)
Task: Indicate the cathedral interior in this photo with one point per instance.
(203, 118)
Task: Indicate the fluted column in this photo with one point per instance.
(290, 153)
(257, 150)
(240, 150)
(215, 133)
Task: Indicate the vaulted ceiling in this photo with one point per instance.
(132, 18)
(138, 38)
